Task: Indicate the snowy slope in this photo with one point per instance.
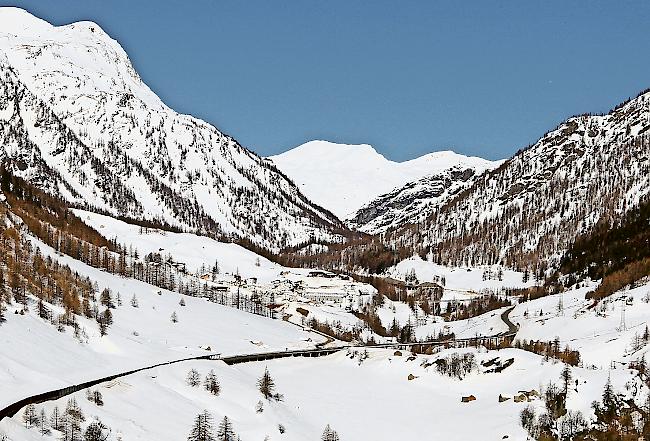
(415, 200)
(192, 250)
(526, 212)
(159, 405)
(139, 337)
(76, 119)
(343, 178)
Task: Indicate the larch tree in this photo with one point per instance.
(43, 426)
(29, 416)
(226, 431)
(266, 386)
(329, 434)
(72, 421)
(193, 378)
(96, 431)
(202, 429)
(56, 421)
(211, 383)
(566, 377)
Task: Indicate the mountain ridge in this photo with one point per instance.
(345, 177)
(84, 112)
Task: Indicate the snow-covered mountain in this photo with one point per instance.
(527, 212)
(76, 119)
(415, 200)
(343, 177)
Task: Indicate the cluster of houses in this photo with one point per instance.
(324, 287)
(316, 287)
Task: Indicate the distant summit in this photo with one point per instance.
(345, 177)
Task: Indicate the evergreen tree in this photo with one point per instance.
(43, 427)
(134, 301)
(266, 385)
(225, 431)
(29, 416)
(202, 430)
(193, 378)
(72, 421)
(329, 434)
(211, 383)
(96, 431)
(174, 317)
(106, 299)
(56, 419)
(566, 377)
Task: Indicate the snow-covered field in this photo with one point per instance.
(372, 400)
(337, 390)
(595, 332)
(36, 357)
(460, 280)
(192, 250)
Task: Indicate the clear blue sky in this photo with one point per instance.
(483, 78)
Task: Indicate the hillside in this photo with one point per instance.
(528, 211)
(343, 178)
(414, 201)
(77, 120)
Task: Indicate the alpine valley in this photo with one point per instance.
(160, 281)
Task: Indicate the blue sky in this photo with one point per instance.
(409, 77)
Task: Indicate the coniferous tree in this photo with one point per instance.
(56, 421)
(329, 434)
(211, 383)
(43, 426)
(193, 378)
(202, 429)
(134, 301)
(174, 317)
(29, 416)
(96, 431)
(566, 377)
(266, 385)
(106, 298)
(225, 431)
(72, 421)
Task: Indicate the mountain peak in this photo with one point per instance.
(17, 21)
(344, 177)
(88, 129)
